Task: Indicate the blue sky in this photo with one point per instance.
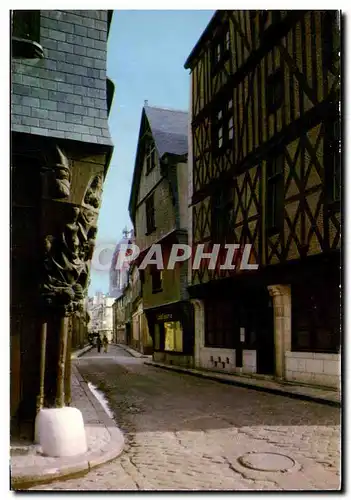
(146, 55)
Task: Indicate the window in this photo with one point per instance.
(336, 161)
(276, 16)
(332, 158)
(230, 128)
(150, 153)
(275, 91)
(222, 204)
(227, 40)
(150, 214)
(331, 39)
(275, 193)
(26, 24)
(223, 126)
(219, 330)
(157, 279)
(218, 52)
(173, 336)
(316, 316)
(221, 48)
(26, 34)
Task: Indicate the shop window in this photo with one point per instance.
(274, 91)
(173, 336)
(275, 194)
(150, 214)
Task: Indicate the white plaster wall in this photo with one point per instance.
(249, 361)
(313, 368)
(209, 356)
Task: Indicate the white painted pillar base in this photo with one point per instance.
(282, 325)
(60, 432)
(199, 328)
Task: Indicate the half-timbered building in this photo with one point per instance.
(264, 170)
(159, 211)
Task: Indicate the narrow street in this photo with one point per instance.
(186, 433)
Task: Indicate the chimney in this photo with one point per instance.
(146, 103)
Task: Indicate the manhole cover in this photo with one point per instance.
(267, 462)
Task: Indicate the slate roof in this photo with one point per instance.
(169, 129)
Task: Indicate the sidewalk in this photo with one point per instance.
(80, 352)
(310, 393)
(133, 352)
(105, 442)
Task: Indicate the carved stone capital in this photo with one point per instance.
(198, 304)
(279, 290)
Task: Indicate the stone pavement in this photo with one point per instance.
(188, 433)
(105, 442)
(261, 383)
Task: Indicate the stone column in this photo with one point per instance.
(282, 325)
(199, 328)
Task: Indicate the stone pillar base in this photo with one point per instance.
(61, 432)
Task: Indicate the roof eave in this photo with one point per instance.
(203, 38)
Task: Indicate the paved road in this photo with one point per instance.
(187, 433)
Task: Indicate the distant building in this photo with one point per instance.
(101, 314)
(159, 210)
(119, 277)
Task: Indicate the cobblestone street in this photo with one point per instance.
(186, 433)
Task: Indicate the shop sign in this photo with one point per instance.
(164, 317)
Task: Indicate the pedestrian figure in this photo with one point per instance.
(105, 342)
(98, 343)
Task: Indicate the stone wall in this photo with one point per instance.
(313, 368)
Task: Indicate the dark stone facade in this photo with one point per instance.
(61, 148)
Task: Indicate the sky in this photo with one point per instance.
(146, 53)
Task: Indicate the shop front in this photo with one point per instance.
(172, 330)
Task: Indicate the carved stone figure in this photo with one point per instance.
(56, 175)
(93, 195)
(67, 261)
(63, 266)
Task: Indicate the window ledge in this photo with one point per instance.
(158, 290)
(150, 232)
(26, 49)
